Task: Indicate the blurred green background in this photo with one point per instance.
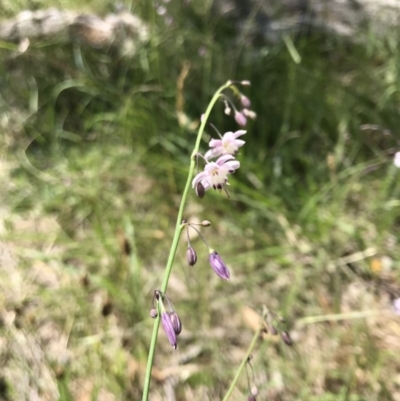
(95, 143)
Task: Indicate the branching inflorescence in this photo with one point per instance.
(219, 162)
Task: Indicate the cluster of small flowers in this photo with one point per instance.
(215, 175)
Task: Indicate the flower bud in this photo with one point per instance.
(251, 398)
(272, 329)
(286, 338)
(240, 118)
(191, 256)
(245, 101)
(176, 322)
(200, 190)
(245, 83)
(153, 313)
(249, 113)
(227, 111)
(169, 328)
(205, 223)
(219, 266)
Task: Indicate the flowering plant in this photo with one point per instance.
(214, 176)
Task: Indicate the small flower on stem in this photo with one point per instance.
(227, 145)
(215, 174)
(191, 256)
(153, 313)
(176, 322)
(240, 118)
(249, 113)
(286, 338)
(169, 328)
(218, 265)
(245, 101)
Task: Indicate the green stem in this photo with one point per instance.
(178, 229)
(244, 361)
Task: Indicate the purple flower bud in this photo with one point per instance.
(245, 101)
(272, 329)
(240, 118)
(251, 398)
(191, 256)
(153, 313)
(219, 266)
(176, 322)
(169, 328)
(200, 190)
(286, 338)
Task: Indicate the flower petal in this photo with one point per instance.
(198, 178)
(239, 133)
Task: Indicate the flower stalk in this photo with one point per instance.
(178, 230)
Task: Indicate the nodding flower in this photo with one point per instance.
(218, 265)
(168, 326)
(227, 145)
(215, 174)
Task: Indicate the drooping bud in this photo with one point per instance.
(169, 328)
(240, 118)
(205, 223)
(153, 313)
(245, 83)
(219, 266)
(176, 322)
(227, 110)
(245, 101)
(200, 190)
(191, 256)
(249, 113)
(286, 338)
(272, 329)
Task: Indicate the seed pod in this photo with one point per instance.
(200, 190)
(286, 338)
(153, 313)
(191, 256)
(176, 322)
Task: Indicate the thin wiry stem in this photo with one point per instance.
(178, 230)
(244, 361)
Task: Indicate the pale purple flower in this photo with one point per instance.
(219, 266)
(240, 118)
(396, 159)
(191, 256)
(228, 145)
(169, 328)
(245, 101)
(176, 322)
(215, 174)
